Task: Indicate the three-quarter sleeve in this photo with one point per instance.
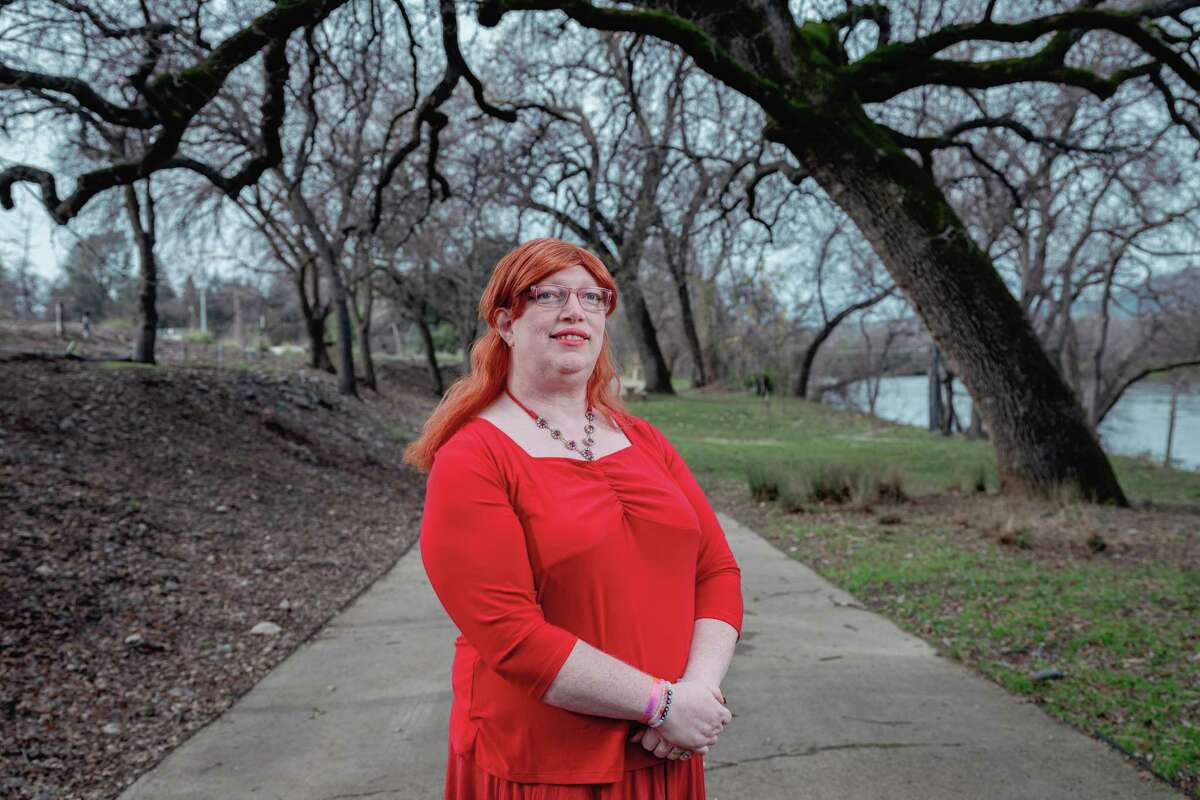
(718, 577)
(474, 550)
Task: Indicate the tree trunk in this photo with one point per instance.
(364, 344)
(975, 429)
(346, 380)
(328, 258)
(1042, 439)
(314, 318)
(148, 269)
(364, 339)
(711, 306)
(806, 363)
(949, 419)
(676, 257)
(688, 320)
(318, 349)
(654, 365)
(1175, 387)
(435, 372)
(831, 324)
(396, 339)
(935, 389)
(239, 324)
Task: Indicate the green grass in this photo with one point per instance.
(723, 435)
(1126, 639)
(117, 365)
(193, 336)
(1123, 625)
(399, 432)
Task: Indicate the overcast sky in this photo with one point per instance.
(46, 245)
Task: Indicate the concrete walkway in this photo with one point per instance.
(830, 701)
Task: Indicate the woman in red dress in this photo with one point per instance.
(597, 599)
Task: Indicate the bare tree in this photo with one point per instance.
(712, 188)
(289, 250)
(1087, 226)
(362, 294)
(859, 287)
(169, 101)
(595, 167)
(20, 287)
(816, 78)
(877, 363)
(143, 222)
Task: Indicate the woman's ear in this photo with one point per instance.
(503, 323)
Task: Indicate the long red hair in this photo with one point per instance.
(490, 356)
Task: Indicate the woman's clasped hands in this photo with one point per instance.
(698, 716)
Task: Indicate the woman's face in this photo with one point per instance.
(552, 343)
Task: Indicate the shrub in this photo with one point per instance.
(850, 483)
(196, 336)
(891, 486)
(764, 482)
(837, 483)
(832, 482)
(793, 496)
(976, 479)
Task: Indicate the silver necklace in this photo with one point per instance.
(555, 433)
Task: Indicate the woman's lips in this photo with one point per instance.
(565, 335)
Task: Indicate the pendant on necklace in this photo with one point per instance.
(571, 444)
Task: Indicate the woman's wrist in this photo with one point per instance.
(664, 705)
(658, 704)
(652, 702)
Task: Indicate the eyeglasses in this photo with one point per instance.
(591, 298)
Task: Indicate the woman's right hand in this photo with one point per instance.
(696, 718)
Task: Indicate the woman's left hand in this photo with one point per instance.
(656, 744)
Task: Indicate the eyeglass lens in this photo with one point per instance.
(593, 298)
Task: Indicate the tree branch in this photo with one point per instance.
(430, 115)
(83, 94)
(176, 98)
(149, 30)
(695, 41)
(1116, 395)
(270, 152)
(894, 68)
(871, 12)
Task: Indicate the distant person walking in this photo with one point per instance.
(597, 598)
(86, 322)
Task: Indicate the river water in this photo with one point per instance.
(1137, 425)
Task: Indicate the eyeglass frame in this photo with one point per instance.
(608, 296)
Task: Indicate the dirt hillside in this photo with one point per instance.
(152, 518)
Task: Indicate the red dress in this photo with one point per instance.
(529, 554)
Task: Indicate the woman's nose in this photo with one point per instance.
(572, 309)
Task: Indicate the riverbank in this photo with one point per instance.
(1137, 426)
(1091, 613)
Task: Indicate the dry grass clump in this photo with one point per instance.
(764, 482)
(1079, 529)
(827, 484)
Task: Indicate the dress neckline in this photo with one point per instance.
(514, 443)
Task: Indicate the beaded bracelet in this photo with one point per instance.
(666, 707)
(652, 703)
